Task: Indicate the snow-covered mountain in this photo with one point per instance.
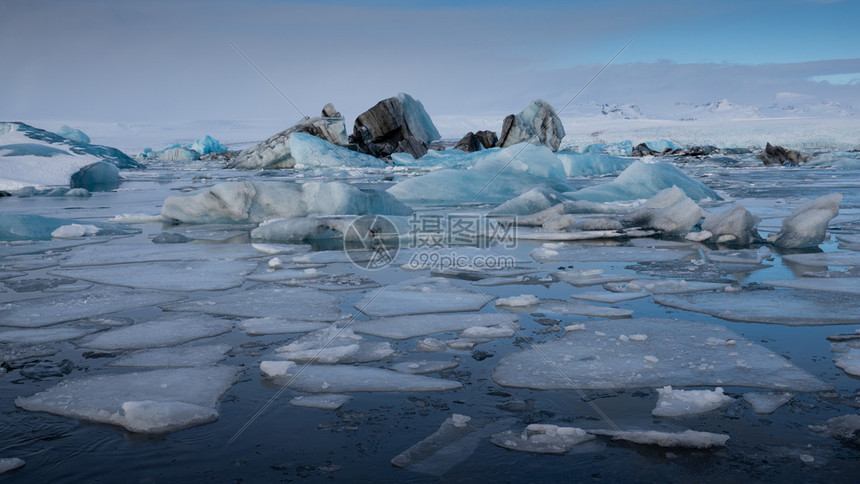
(610, 110)
(823, 108)
(723, 109)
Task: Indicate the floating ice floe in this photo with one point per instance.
(845, 285)
(183, 276)
(337, 282)
(260, 302)
(742, 256)
(275, 325)
(559, 306)
(422, 367)
(609, 297)
(47, 311)
(345, 379)
(767, 402)
(182, 357)
(664, 286)
(456, 439)
(497, 175)
(110, 254)
(734, 226)
(791, 307)
(849, 259)
(155, 401)
(677, 353)
(670, 211)
(44, 335)
(16, 351)
(15, 227)
(849, 361)
(644, 180)
(323, 401)
(589, 277)
(489, 332)
(522, 300)
(845, 428)
(405, 327)
(257, 201)
(170, 330)
(421, 296)
(301, 276)
(10, 464)
(335, 345)
(579, 253)
(679, 403)
(542, 439)
(807, 224)
(688, 438)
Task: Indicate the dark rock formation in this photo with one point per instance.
(398, 124)
(642, 149)
(537, 124)
(487, 138)
(469, 143)
(777, 155)
(275, 152)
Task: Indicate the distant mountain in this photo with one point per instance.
(715, 110)
(605, 111)
(825, 108)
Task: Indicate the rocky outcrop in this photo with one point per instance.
(398, 124)
(469, 143)
(537, 124)
(274, 153)
(777, 155)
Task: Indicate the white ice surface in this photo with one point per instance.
(664, 286)
(274, 325)
(688, 438)
(169, 330)
(405, 327)
(845, 285)
(345, 379)
(421, 296)
(259, 302)
(124, 253)
(322, 401)
(181, 357)
(182, 276)
(849, 361)
(679, 403)
(421, 367)
(542, 439)
(609, 297)
(44, 335)
(688, 354)
(149, 401)
(767, 402)
(36, 313)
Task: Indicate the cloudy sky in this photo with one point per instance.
(121, 61)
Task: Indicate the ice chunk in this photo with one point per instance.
(790, 307)
(849, 361)
(688, 438)
(734, 226)
(182, 357)
(47, 335)
(824, 259)
(744, 256)
(669, 211)
(573, 307)
(185, 276)
(489, 332)
(36, 313)
(498, 175)
(644, 180)
(591, 164)
(767, 402)
(422, 367)
(15, 352)
(100, 176)
(148, 402)
(334, 345)
(537, 123)
(456, 440)
(167, 331)
(178, 153)
(609, 297)
(581, 253)
(844, 285)
(591, 277)
(123, 253)
(518, 301)
(337, 282)
(312, 152)
(259, 302)
(323, 401)
(73, 134)
(421, 296)
(845, 428)
(208, 144)
(10, 463)
(678, 403)
(665, 286)
(274, 369)
(532, 201)
(274, 325)
(344, 379)
(431, 345)
(136, 218)
(807, 224)
(35, 227)
(542, 439)
(688, 353)
(257, 201)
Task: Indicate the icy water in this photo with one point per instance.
(260, 437)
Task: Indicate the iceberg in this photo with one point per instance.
(178, 153)
(206, 145)
(533, 201)
(734, 226)
(676, 353)
(497, 175)
(670, 211)
(48, 142)
(577, 165)
(156, 401)
(312, 152)
(536, 124)
(678, 403)
(73, 134)
(396, 124)
(643, 180)
(255, 202)
(807, 224)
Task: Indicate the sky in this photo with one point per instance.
(122, 61)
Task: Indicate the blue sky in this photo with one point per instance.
(169, 60)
